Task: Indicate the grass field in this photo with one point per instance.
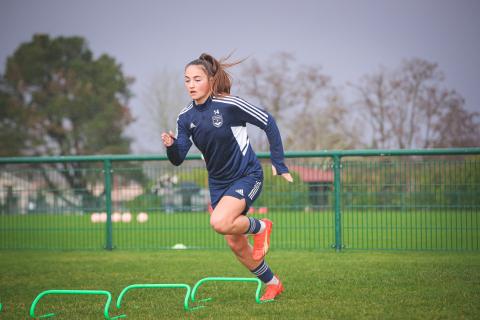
(361, 229)
(319, 285)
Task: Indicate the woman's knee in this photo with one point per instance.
(219, 224)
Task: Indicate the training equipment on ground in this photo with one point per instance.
(76, 292)
(116, 217)
(126, 217)
(95, 217)
(189, 295)
(158, 286)
(179, 246)
(142, 217)
(262, 210)
(200, 282)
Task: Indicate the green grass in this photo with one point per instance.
(361, 229)
(319, 285)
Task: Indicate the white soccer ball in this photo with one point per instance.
(127, 217)
(263, 210)
(95, 217)
(103, 217)
(142, 217)
(116, 217)
(179, 246)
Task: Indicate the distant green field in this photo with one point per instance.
(417, 230)
(318, 285)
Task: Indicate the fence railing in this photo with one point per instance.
(355, 199)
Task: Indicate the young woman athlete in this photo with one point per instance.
(216, 123)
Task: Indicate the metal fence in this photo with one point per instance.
(357, 199)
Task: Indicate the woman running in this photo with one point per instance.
(216, 123)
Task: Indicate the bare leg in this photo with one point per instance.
(227, 218)
(242, 250)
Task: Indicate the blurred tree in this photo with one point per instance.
(323, 127)
(56, 99)
(163, 99)
(59, 100)
(272, 83)
(12, 122)
(320, 120)
(408, 108)
(309, 110)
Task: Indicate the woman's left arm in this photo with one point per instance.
(266, 122)
(276, 149)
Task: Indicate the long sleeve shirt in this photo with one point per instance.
(218, 129)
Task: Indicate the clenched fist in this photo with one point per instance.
(168, 138)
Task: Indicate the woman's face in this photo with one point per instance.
(197, 83)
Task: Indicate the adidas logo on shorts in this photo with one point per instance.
(239, 191)
(255, 189)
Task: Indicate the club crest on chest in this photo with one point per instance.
(217, 118)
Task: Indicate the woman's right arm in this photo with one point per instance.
(177, 148)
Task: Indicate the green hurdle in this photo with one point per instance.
(157, 286)
(76, 292)
(189, 295)
(202, 281)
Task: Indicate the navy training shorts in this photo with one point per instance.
(247, 187)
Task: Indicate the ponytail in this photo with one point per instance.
(215, 69)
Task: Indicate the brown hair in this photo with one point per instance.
(216, 69)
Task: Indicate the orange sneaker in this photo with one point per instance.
(272, 291)
(261, 241)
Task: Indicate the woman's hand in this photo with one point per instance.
(287, 176)
(168, 138)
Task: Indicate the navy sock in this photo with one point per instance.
(263, 272)
(254, 226)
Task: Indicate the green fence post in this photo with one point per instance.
(107, 168)
(338, 213)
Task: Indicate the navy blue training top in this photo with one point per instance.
(218, 129)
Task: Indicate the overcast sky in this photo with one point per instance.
(347, 38)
